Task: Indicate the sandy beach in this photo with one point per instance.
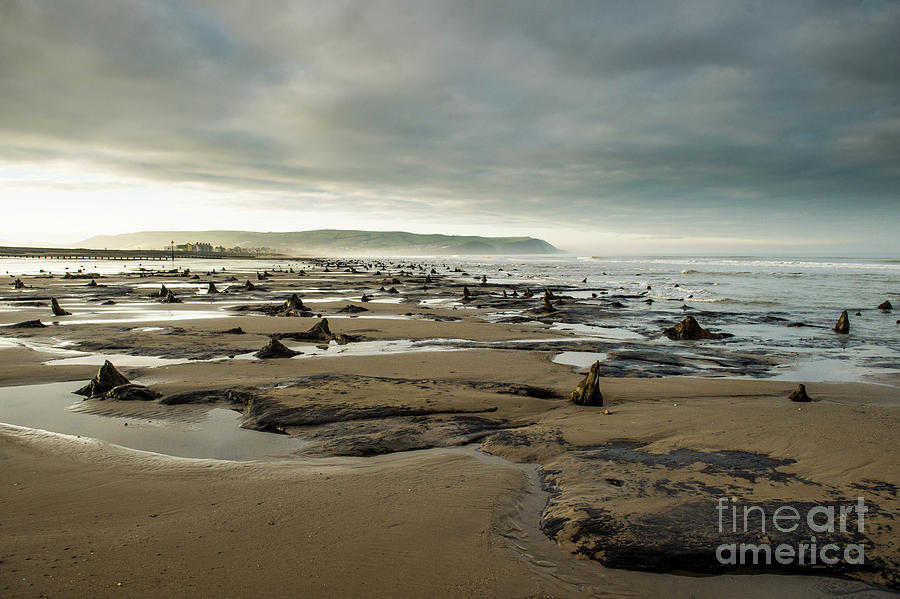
(414, 299)
(437, 451)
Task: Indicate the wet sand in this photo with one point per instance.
(82, 523)
(388, 494)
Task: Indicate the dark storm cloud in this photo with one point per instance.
(655, 111)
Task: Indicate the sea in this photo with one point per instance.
(785, 307)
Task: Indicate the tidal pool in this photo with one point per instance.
(192, 432)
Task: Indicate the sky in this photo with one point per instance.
(611, 127)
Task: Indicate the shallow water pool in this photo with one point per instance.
(209, 433)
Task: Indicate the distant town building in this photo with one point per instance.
(198, 247)
(202, 247)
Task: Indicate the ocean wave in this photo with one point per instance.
(714, 300)
(731, 300)
(720, 273)
(757, 262)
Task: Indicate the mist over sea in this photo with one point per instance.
(784, 307)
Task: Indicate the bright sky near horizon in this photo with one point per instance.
(614, 127)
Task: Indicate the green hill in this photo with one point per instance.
(329, 241)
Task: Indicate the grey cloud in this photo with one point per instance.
(647, 112)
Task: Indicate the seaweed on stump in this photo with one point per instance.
(587, 393)
(131, 392)
(843, 324)
(107, 378)
(294, 305)
(56, 309)
(548, 307)
(800, 394)
(690, 329)
(275, 349)
(320, 331)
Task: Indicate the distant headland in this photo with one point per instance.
(322, 241)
